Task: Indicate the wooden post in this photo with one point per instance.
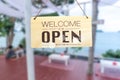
(94, 27)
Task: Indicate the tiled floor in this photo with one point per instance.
(16, 70)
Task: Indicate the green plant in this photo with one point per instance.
(6, 23)
(7, 28)
(59, 2)
(76, 49)
(43, 53)
(117, 53)
(1, 52)
(112, 54)
(23, 42)
(51, 14)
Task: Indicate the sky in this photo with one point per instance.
(111, 16)
(110, 13)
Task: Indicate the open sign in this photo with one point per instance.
(65, 31)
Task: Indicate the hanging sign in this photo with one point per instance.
(65, 31)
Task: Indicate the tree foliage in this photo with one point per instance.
(76, 49)
(112, 54)
(7, 28)
(60, 2)
(37, 3)
(5, 25)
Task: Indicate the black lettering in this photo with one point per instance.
(51, 24)
(78, 23)
(66, 23)
(72, 24)
(74, 35)
(65, 36)
(60, 24)
(45, 24)
(45, 37)
(55, 34)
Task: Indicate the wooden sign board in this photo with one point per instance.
(65, 31)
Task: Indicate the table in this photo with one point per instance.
(59, 57)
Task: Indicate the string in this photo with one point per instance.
(77, 3)
(82, 9)
(38, 13)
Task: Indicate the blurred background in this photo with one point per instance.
(12, 28)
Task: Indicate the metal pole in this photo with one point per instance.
(94, 27)
(29, 51)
